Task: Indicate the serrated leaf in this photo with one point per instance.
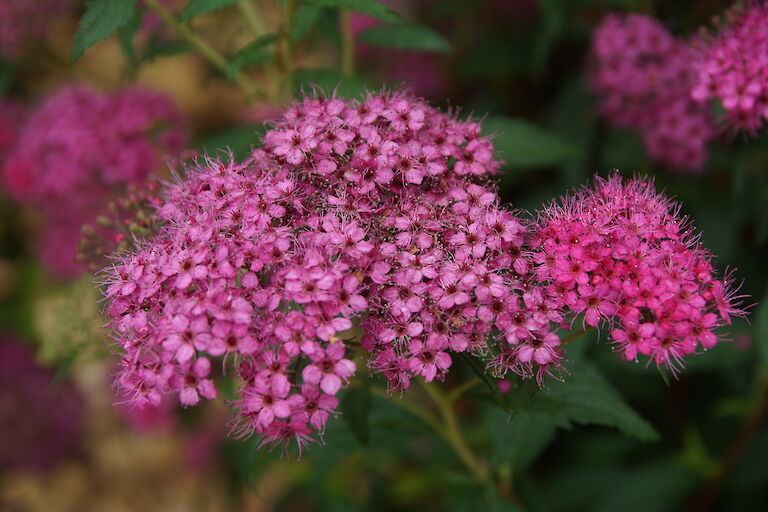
(356, 408)
(253, 53)
(368, 7)
(586, 397)
(406, 37)
(522, 144)
(198, 7)
(330, 81)
(100, 20)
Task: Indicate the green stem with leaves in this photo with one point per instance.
(204, 48)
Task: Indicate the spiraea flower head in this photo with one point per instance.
(642, 75)
(620, 254)
(734, 68)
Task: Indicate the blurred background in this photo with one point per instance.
(523, 67)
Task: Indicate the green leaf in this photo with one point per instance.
(303, 20)
(125, 35)
(586, 397)
(761, 331)
(198, 7)
(520, 442)
(521, 144)
(254, 53)
(368, 7)
(157, 47)
(406, 37)
(356, 408)
(7, 73)
(661, 486)
(238, 139)
(329, 80)
(100, 20)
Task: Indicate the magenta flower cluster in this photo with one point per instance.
(735, 69)
(621, 252)
(375, 224)
(22, 20)
(77, 149)
(643, 76)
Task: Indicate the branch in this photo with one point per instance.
(204, 49)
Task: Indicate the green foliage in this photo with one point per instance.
(369, 7)
(520, 441)
(198, 7)
(239, 140)
(125, 36)
(254, 53)
(356, 407)
(100, 20)
(521, 144)
(7, 72)
(586, 397)
(305, 17)
(329, 81)
(761, 331)
(406, 37)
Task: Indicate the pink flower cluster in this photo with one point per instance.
(620, 252)
(374, 224)
(374, 215)
(21, 20)
(643, 76)
(735, 69)
(77, 149)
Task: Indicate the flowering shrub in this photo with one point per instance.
(379, 215)
(77, 149)
(347, 268)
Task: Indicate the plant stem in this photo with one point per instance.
(203, 48)
(448, 429)
(251, 17)
(459, 390)
(452, 434)
(347, 43)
